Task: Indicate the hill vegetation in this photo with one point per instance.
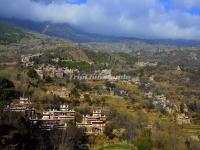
(10, 33)
(138, 117)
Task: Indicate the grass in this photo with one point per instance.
(96, 83)
(117, 147)
(194, 129)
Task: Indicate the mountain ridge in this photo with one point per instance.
(67, 32)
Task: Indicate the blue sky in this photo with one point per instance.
(132, 18)
(168, 4)
(76, 1)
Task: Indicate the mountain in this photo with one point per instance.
(62, 30)
(15, 41)
(10, 33)
(95, 41)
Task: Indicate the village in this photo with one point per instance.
(49, 70)
(99, 103)
(59, 95)
(94, 124)
(58, 119)
(99, 75)
(159, 102)
(75, 74)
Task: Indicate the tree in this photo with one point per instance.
(119, 121)
(5, 83)
(87, 99)
(110, 85)
(108, 131)
(32, 73)
(182, 107)
(84, 87)
(75, 93)
(7, 90)
(77, 83)
(70, 139)
(48, 79)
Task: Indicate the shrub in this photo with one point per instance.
(32, 73)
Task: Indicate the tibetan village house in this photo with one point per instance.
(21, 105)
(93, 124)
(55, 119)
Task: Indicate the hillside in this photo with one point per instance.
(139, 110)
(62, 30)
(16, 41)
(32, 42)
(99, 75)
(10, 33)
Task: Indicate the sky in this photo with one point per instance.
(166, 19)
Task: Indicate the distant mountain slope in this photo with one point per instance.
(100, 42)
(175, 42)
(30, 42)
(10, 33)
(26, 42)
(63, 30)
(15, 41)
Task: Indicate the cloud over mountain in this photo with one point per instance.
(144, 18)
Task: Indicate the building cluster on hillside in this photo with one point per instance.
(55, 60)
(50, 71)
(136, 80)
(182, 119)
(178, 68)
(20, 105)
(145, 64)
(106, 91)
(165, 106)
(100, 75)
(55, 119)
(151, 78)
(120, 92)
(148, 95)
(75, 74)
(162, 98)
(58, 118)
(93, 124)
(161, 102)
(63, 117)
(28, 60)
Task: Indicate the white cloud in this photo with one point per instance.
(144, 18)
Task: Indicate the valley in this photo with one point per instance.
(60, 94)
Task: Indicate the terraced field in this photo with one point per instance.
(117, 147)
